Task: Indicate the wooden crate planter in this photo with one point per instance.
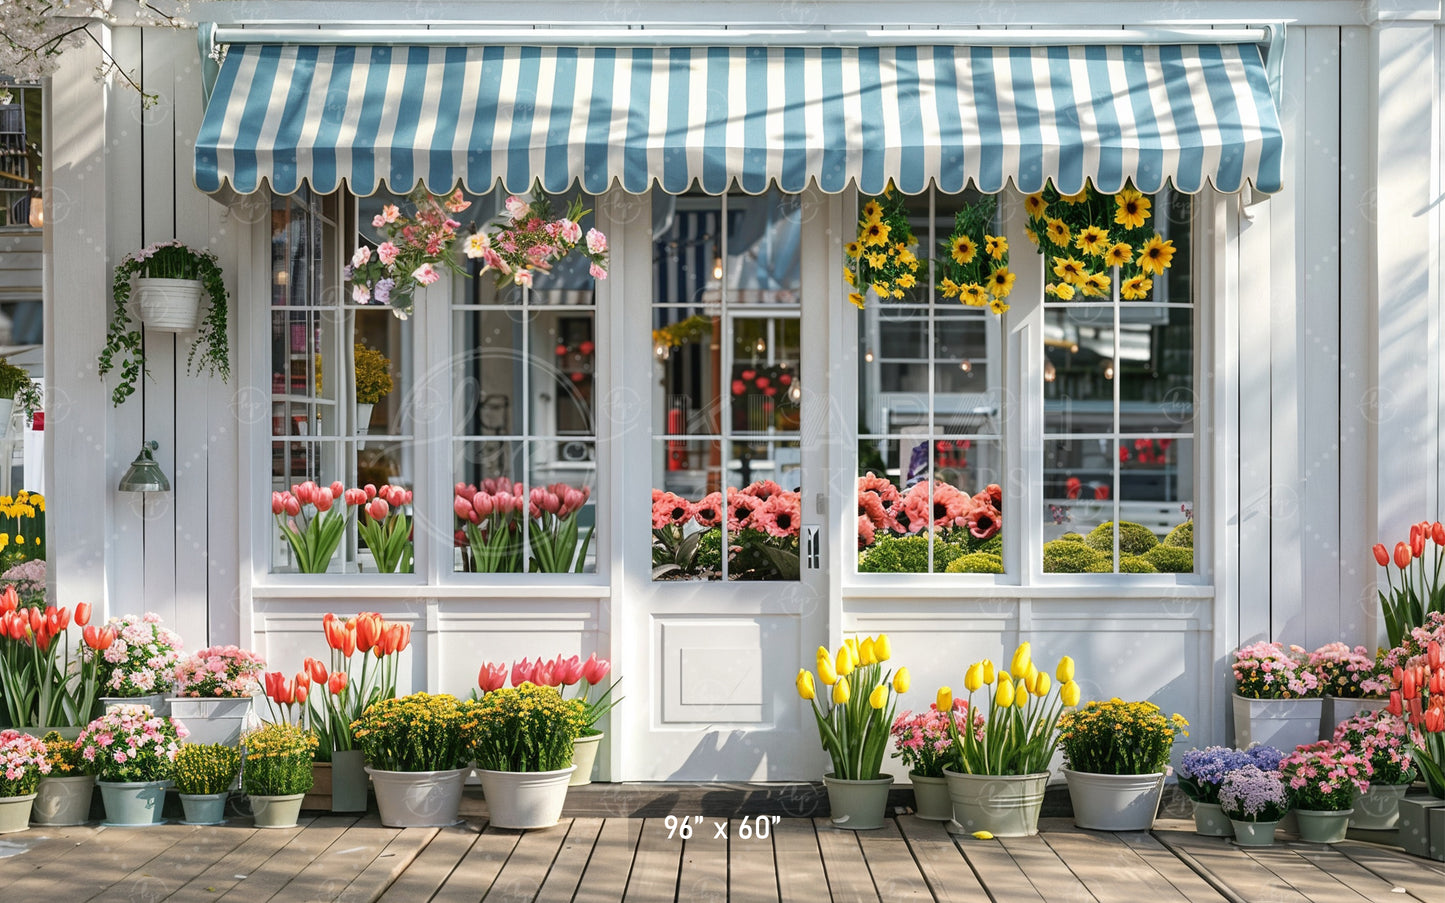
(319, 796)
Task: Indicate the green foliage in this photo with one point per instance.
(1181, 536)
(278, 760)
(1063, 556)
(527, 728)
(1072, 537)
(206, 768)
(13, 379)
(420, 732)
(373, 375)
(1171, 560)
(1134, 539)
(1134, 564)
(1118, 737)
(976, 563)
(906, 555)
(969, 543)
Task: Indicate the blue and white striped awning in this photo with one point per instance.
(1191, 115)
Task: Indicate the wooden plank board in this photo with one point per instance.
(388, 866)
(19, 853)
(429, 870)
(1185, 880)
(1421, 878)
(656, 865)
(752, 870)
(109, 857)
(1232, 873)
(167, 872)
(605, 880)
(236, 865)
(572, 860)
(948, 874)
(313, 840)
(479, 868)
(997, 870)
(1053, 880)
(849, 880)
(1355, 876)
(1108, 868)
(331, 872)
(526, 869)
(895, 875)
(799, 861)
(1302, 875)
(703, 874)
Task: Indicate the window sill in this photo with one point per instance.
(374, 590)
(972, 590)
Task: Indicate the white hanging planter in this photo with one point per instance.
(363, 421)
(168, 305)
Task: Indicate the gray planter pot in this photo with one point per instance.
(931, 801)
(212, 720)
(1254, 833)
(584, 756)
(1281, 723)
(276, 811)
(62, 802)
(1317, 826)
(857, 805)
(1115, 802)
(15, 813)
(424, 799)
(348, 781)
(1378, 809)
(1338, 708)
(204, 808)
(1414, 823)
(1003, 805)
(1210, 821)
(133, 804)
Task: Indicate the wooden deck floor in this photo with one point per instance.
(621, 859)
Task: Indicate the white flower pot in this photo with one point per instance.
(521, 800)
(157, 702)
(15, 813)
(1323, 826)
(419, 799)
(276, 811)
(1378, 809)
(168, 305)
(62, 801)
(214, 720)
(1115, 802)
(363, 420)
(1281, 723)
(1337, 709)
(1003, 805)
(584, 756)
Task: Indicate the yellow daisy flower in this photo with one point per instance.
(1001, 282)
(1156, 255)
(1136, 288)
(1118, 254)
(907, 280)
(1092, 241)
(1035, 205)
(849, 277)
(907, 258)
(1079, 198)
(1069, 269)
(1058, 232)
(963, 250)
(949, 288)
(998, 306)
(877, 259)
(996, 246)
(1095, 285)
(882, 289)
(875, 234)
(1131, 208)
(856, 299)
(872, 211)
(973, 295)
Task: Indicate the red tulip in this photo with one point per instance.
(1408, 687)
(338, 489)
(37, 619)
(82, 614)
(1437, 533)
(1417, 543)
(301, 693)
(567, 671)
(1435, 720)
(1381, 556)
(377, 509)
(348, 643)
(16, 625)
(336, 682)
(9, 601)
(491, 677)
(405, 637)
(303, 678)
(1396, 705)
(369, 626)
(595, 669)
(278, 503)
(1432, 655)
(316, 669)
(522, 672)
(1402, 555)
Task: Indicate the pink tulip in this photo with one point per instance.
(483, 504)
(567, 671)
(491, 677)
(595, 669)
(278, 504)
(322, 500)
(464, 510)
(337, 489)
(370, 490)
(293, 505)
(544, 675)
(377, 509)
(304, 492)
(355, 497)
(522, 672)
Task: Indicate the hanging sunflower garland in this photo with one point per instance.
(882, 256)
(973, 265)
(1085, 236)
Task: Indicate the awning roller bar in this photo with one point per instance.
(726, 37)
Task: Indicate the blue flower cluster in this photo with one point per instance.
(1202, 771)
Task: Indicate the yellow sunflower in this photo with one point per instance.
(1001, 282)
(998, 306)
(996, 246)
(1069, 269)
(1058, 232)
(949, 288)
(1092, 241)
(1035, 205)
(1033, 236)
(1136, 288)
(882, 289)
(1131, 208)
(1156, 255)
(964, 250)
(973, 295)
(875, 234)
(1063, 291)
(1079, 198)
(852, 248)
(907, 280)
(1118, 254)
(848, 275)
(856, 299)
(1095, 285)
(907, 258)
(872, 211)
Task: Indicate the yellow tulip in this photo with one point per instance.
(826, 673)
(841, 692)
(882, 647)
(1004, 678)
(1069, 693)
(1021, 692)
(1041, 687)
(1005, 696)
(852, 644)
(944, 702)
(824, 655)
(879, 697)
(973, 678)
(845, 662)
(1065, 673)
(806, 689)
(1032, 677)
(866, 655)
(987, 671)
(1021, 660)
(902, 681)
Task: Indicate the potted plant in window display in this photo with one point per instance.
(138, 668)
(204, 775)
(15, 385)
(324, 513)
(385, 528)
(1255, 800)
(133, 751)
(23, 761)
(1381, 739)
(1116, 756)
(522, 740)
(1416, 593)
(923, 742)
(373, 383)
(491, 518)
(997, 780)
(416, 250)
(853, 720)
(214, 692)
(1351, 682)
(276, 772)
(169, 278)
(1202, 772)
(63, 797)
(1276, 696)
(419, 749)
(1324, 779)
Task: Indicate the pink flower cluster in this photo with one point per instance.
(1325, 775)
(531, 239)
(496, 496)
(1381, 739)
(763, 506)
(558, 672)
(883, 507)
(1415, 643)
(1347, 672)
(922, 739)
(23, 759)
(322, 498)
(558, 499)
(143, 658)
(131, 743)
(411, 255)
(1269, 671)
(381, 502)
(219, 671)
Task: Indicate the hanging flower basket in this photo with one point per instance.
(169, 305)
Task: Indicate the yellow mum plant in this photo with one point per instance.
(1118, 737)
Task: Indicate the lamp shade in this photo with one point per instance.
(144, 474)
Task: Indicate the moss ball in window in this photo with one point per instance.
(1171, 560)
(709, 551)
(1182, 536)
(1064, 557)
(968, 543)
(976, 563)
(1072, 537)
(906, 555)
(1134, 539)
(1134, 564)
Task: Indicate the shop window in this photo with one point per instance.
(930, 380)
(20, 157)
(524, 436)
